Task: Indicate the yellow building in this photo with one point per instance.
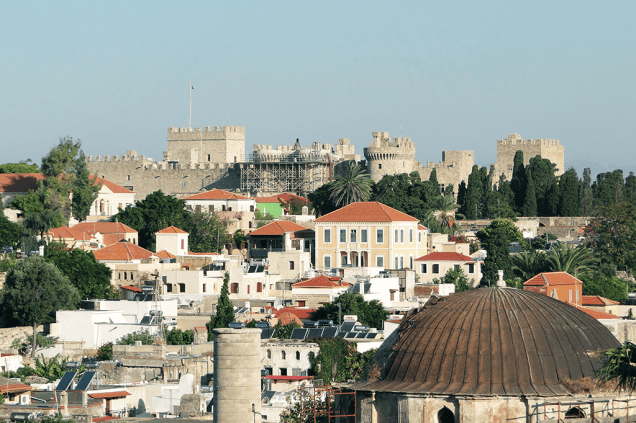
(368, 234)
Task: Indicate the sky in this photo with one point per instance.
(449, 75)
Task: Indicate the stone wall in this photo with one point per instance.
(454, 168)
(546, 148)
(224, 144)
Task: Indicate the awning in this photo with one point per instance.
(114, 394)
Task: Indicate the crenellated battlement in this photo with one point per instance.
(206, 129)
(550, 149)
(516, 140)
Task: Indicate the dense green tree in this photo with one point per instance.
(33, 290)
(607, 189)
(461, 195)
(142, 336)
(407, 193)
(10, 233)
(434, 183)
(321, 199)
(224, 309)
(528, 264)
(612, 287)
(84, 187)
(474, 193)
(282, 331)
(496, 239)
(569, 194)
(353, 184)
(577, 261)
(629, 190)
(90, 277)
(154, 213)
(338, 360)
(587, 198)
(208, 233)
(105, 352)
(19, 168)
(612, 235)
(518, 181)
(457, 277)
(179, 337)
(541, 172)
(370, 313)
(529, 208)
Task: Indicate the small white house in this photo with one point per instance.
(172, 239)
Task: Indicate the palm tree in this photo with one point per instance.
(445, 206)
(352, 185)
(528, 264)
(573, 260)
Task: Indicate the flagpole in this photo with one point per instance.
(190, 121)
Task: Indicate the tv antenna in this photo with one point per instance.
(190, 121)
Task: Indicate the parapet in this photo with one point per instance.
(382, 144)
(208, 132)
(516, 140)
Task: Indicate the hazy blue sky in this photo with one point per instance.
(450, 75)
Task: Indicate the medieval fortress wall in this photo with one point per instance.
(199, 160)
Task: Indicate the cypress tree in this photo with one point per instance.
(474, 194)
(529, 207)
(224, 310)
(518, 181)
(461, 197)
(587, 206)
(629, 190)
(569, 194)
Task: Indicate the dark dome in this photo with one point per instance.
(493, 341)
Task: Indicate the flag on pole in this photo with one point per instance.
(191, 86)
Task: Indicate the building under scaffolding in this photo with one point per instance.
(287, 169)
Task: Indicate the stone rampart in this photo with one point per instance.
(546, 148)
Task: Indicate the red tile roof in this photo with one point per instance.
(217, 194)
(163, 254)
(283, 198)
(300, 312)
(552, 278)
(19, 182)
(104, 228)
(8, 385)
(597, 300)
(64, 232)
(171, 230)
(371, 211)
(594, 313)
(444, 256)
(421, 228)
(113, 187)
(131, 288)
(114, 394)
(201, 329)
(321, 281)
(278, 227)
(122, 251)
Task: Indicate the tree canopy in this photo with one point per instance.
(351, 185)
(22, 167)
(224, 309)
(612, 235)
(370, 313)
(496, 239)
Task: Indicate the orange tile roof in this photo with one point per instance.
(371, 211)
(217, 194)
(278, 227)
(104, 228)
(109, 394)
(285, 198)
(552, 278)
(64, 232)
(300, 312)
(444, 256)
(122, 251)
(286, 318)
(594, 313)
(321, 281)
(131, 288)
(597, 300)
(19, 182)
(113, 238)
(8, 386)
(163, 254)
(201, 329)
(421, 228)
(113, 187)
(171, 230)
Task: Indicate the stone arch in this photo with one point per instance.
(445, 416)
(269, 353)
(283, 355)
(575, 413)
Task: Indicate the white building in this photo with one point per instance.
(172, 239)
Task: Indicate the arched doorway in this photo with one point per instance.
(574, 413)
(445, 416)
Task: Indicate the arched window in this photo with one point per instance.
(297, 355)
(283, 355)
(575, 413)
(269, 353)
(445, 416)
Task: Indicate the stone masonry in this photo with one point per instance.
(547, 149)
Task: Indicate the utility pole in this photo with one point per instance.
(190, 121)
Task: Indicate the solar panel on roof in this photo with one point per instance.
(371, 335)
(341, 334)
(65, 382)
(360, 335)
(251, 269)
(329, 332)
(315, 333)
(298, 333)
(347, 326)
(85, 381)
(260, 269)
(350, 335)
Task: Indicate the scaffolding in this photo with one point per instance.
(299, 174)
(321, 403)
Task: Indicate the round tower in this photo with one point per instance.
(386, 157)
(237, 375)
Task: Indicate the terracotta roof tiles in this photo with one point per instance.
(597, 300)
(217, 194)
(300, 312)
(444, 256)
(19, 182)
(278, 227)
(321, 281)
(371, 211)
(164, 254)
(171, 230)
(594, 313)
(122, 251)
(552, 278)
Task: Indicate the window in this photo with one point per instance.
(379, 261)
(353, 235)
(379, 236)
(283, 355)
(327, 235)
(182, 244)
(436, 269)
(204, 288)
(283, 371)
(301, 303)
(344, 259)
(327, 261)
(419, 237)
(222, 207)
(297, 355)
(343, 235)
(269, 353)
(392, 294)
(401, 262)
(411, 262)
(181, 287)
(128, 177)
(402, 235)
(248, 289)
(577, 296)
(397, 261)
(363, 235)
(169, 287)
(234, 288)
(570, 295)
(471, 268)
(396, 235)
(209, 157)
(259, 287)
(410, 235)
(184, 184)
(291, 265)
(423, 268)
(379, 165)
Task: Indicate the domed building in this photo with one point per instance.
(489, 355)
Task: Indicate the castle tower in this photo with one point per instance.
(547, 149)
(386, 157)
(216, 144)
